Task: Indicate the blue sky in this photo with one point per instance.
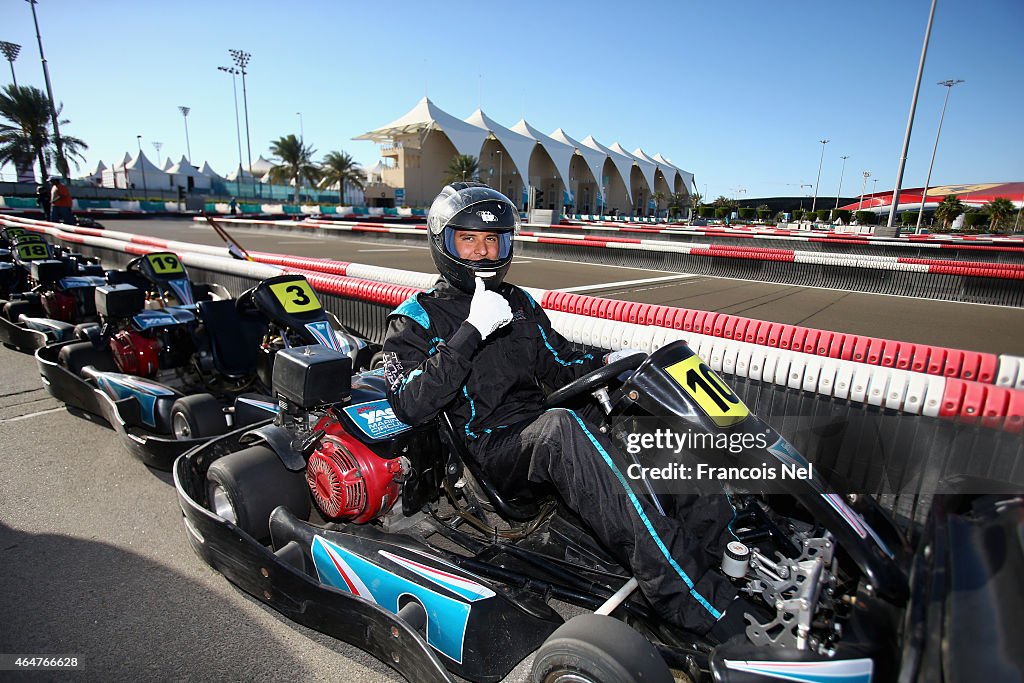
(738, 93)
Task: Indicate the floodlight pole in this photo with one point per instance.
(142, 167)
(841, 172)
(241, 59)
(157, 146)
(62, 164)
(924, 195)
(238, 126)
(188, 147)
(11, 51)
(910, 120)
(866, 174)
(814, 202)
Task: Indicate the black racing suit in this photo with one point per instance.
(492, 392)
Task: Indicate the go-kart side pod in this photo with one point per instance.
(122, 415)
(353, 584)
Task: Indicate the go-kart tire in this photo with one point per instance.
(253, 482)
(197, 417)
(13, 309)
(598, 649)
(78, 355)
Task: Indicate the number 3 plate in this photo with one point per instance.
(710, 393)
(296, 297)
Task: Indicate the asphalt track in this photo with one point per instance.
(94, 561)
(975, 327)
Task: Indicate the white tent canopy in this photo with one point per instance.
(519, 146)
(167, 165)
(183, 170)
(261, 167)
(427, 116)
(207, 171)
(646, 167)
(687, 177)
(560, 153)
(137, 171)
(624, 164)
(595, 158)
(246, 177)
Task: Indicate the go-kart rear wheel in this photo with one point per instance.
(244, 487)
(78, 355)
(198, 416)
(592, 648)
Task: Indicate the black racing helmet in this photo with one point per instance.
(479, 208)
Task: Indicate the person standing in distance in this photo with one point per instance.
(60, 201)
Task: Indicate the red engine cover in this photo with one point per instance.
(349, 481)
(59, 306)
(135, 354)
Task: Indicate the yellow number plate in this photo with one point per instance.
(164, 264)
(296, 297)
(710, 393)
(33, 251)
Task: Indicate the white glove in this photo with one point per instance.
(622, 353)
(488, 311)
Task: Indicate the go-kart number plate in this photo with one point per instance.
(710, 393)
(165, 264)
(33, 251)
(295, 297)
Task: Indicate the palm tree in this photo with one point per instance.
(296, 162)
(999, 209)
(947, 211)
(462, 167)
(658, 198)
(338, 167)
(25, 130)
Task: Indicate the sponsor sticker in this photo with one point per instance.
(376, 419)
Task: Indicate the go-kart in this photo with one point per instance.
(48, 292)
(169, 378)
(352, 523)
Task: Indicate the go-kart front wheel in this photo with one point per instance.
(198, 416)
(592, 648)
(244, 487)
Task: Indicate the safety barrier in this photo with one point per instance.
(883, 415)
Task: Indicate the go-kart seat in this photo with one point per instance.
(124, 277)
(518, 509)
(234, 339)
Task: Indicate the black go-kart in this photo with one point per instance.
(391, 538)
(169, 378)
(47, 292)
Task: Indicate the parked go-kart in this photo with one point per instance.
(47, 293)
(828, 572)
(169, 378)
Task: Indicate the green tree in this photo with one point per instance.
(947, 211)
(295, 163)
(338, 167)
(462, 167)
(25, 130)
(999, 211)
(658, 198)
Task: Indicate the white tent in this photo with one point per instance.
(519, 146)
(427, 116)
(207, 171)
(167, 165)
(623, 164)
(138, 172)
(560, 153)
(261, 167)
(239, 173)
(647, 168)
(96, 177)
(182, 171)
(595, 158)
(686, 176)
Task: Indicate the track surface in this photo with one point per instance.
(977, 327)
(93, 556)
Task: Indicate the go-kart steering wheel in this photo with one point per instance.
(245, 305)
(593, 380)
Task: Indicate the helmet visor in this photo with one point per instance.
(504, 244)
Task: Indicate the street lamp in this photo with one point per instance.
(142, 166)
(302, 135)
(841, 172)
(814, 203)
(10, 51)
(157, 146)
(866, 174)
(184, 115)
(241, 59)
(924, 195)
(62, 164)
(238, 127)
(802, 186)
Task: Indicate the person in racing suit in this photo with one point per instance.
(481, 349)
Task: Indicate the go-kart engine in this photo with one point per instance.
(60, 306)
(349, 482)
(135, 353)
